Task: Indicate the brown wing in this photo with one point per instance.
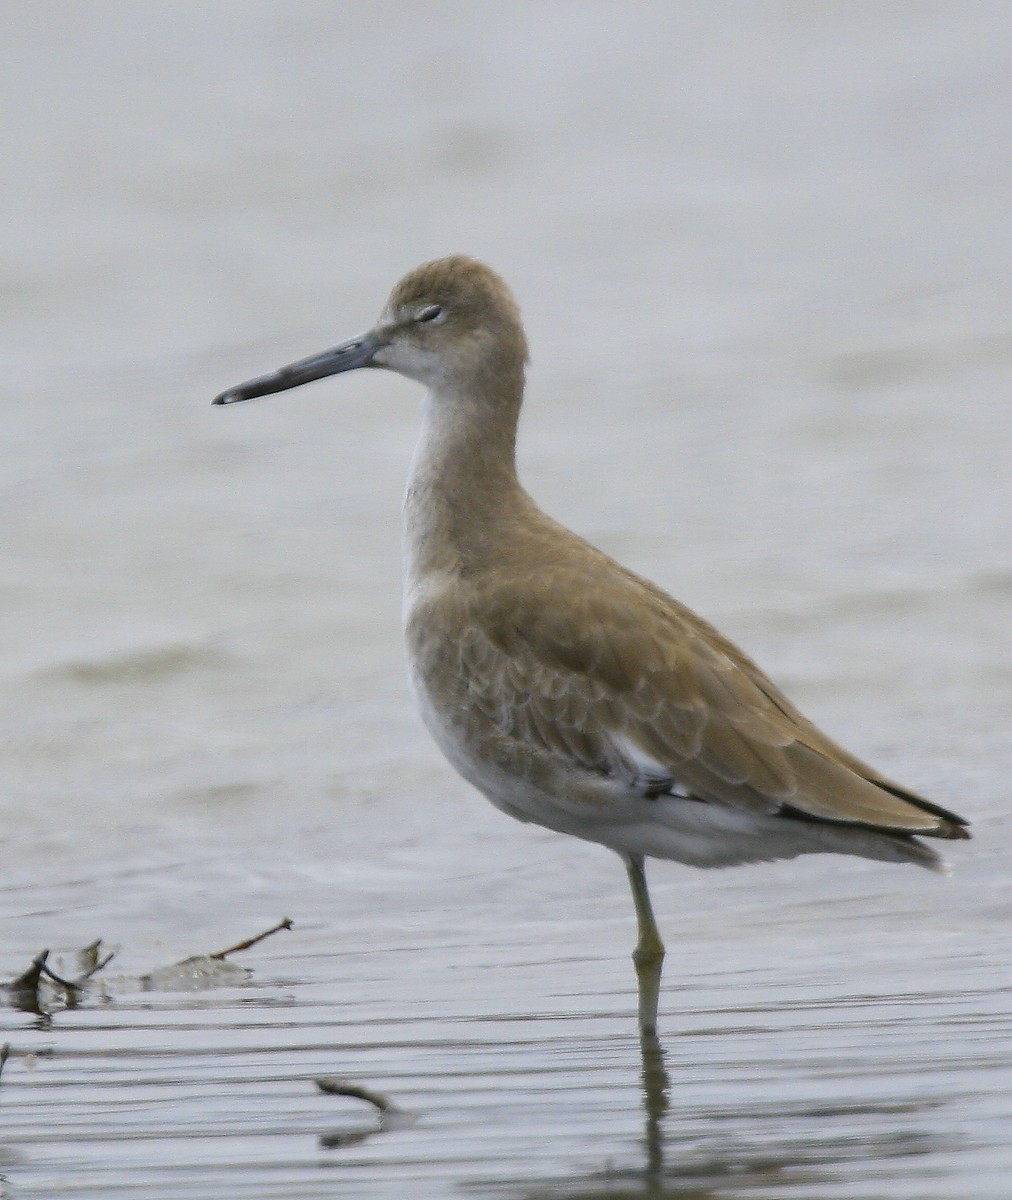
(609, 673)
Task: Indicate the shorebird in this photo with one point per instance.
(568, 690)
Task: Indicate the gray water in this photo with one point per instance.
(764, 252)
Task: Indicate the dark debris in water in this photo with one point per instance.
(330, 1085)
(37, 988)
(41, 990)
(390, 1116)
(284, 923)
(202, 971)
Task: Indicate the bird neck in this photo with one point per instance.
(463, 484)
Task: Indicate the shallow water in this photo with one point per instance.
(763, 252)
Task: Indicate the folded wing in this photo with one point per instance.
(616, 678)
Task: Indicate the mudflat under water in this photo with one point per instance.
(764, 255)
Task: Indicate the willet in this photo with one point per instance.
(567, 689)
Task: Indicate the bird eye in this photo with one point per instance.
(431, 312)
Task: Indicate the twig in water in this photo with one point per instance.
(68, 984)
(330, 1085)
(284, 923)
(25, 989)
(92, 962)
(30, 978)
(5, 1053)
(96, 967)
(390, 1116)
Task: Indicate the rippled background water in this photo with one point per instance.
(763, 251)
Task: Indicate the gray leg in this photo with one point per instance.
(649, 953)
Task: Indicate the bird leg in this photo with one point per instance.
(648, 956)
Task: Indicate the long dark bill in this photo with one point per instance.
(356, 352)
